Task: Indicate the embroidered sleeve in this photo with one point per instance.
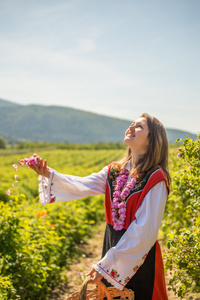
(60, 188)
(122, 261)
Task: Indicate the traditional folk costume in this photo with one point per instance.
(131, 257)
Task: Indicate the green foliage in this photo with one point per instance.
(37, 242)
(42, 145)
(2, 143)
(7, 291)
(182, 219)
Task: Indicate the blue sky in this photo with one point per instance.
(112, 57)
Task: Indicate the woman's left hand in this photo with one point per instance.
(96, 277)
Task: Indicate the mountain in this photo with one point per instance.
(4, 103)
(64, 124)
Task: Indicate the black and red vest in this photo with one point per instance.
(136, 196)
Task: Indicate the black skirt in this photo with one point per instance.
(142, 282)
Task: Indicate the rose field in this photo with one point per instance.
(38, 242)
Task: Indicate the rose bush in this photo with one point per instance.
(36, 243)
(182, 219)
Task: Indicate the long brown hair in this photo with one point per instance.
(156, 155)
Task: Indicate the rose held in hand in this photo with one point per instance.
(32, 160)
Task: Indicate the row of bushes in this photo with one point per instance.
(36, 243)
(50, 145)
(181, 224)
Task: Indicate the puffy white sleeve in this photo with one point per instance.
(60, 188)
(122, 261)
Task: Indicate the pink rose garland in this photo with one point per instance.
(122, 190)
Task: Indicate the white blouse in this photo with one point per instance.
(122, 261)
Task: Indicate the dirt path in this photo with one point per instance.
(91, 253)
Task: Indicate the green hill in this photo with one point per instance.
(4, 103)
(64, 124)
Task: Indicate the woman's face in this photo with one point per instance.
(136, 136)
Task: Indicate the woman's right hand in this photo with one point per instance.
(41, 167)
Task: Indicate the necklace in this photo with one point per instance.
(122, 190)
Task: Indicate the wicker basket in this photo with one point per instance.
(101, 292)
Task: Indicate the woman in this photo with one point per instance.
(136, 189)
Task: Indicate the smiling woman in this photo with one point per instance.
(136, 189)
(136, 136)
